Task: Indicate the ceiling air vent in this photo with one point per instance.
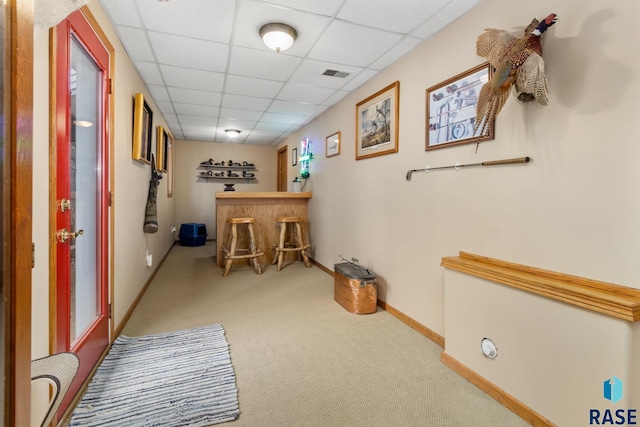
(335, 73)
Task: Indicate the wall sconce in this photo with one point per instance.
(278, 36)
(232, 133)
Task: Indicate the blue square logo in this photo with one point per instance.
(613, 389)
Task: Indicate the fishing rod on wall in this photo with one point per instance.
(457, 166)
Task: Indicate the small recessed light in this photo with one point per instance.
(232, 133)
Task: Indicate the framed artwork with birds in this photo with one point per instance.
(377, 123)
(451, 109)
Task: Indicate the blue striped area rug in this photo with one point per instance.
(181, 378)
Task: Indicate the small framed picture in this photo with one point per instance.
(294, 156)
(333, 144)
(377, 123)
(451, 109)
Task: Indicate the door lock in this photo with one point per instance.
(64, 235)
(65, 204)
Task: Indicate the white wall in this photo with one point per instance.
(195, 196)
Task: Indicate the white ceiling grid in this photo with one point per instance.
(207, 69)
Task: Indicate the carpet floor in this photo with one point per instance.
(301, 359)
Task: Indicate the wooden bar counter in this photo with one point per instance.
(265, 207)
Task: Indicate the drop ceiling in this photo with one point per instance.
(207, 69)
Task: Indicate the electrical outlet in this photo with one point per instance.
(173, 229)
(149, 260)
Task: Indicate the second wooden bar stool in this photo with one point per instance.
(230, 251)
(296, 246)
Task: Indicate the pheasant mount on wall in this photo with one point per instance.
(516, 61)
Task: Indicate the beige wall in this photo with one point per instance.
(195, 197)
(574, 209)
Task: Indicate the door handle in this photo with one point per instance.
(64, 235)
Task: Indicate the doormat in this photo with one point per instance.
(180, 378)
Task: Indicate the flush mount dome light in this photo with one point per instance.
(489, 348)
(232, 132)
(278, 36)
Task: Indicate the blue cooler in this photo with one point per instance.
(193, 234)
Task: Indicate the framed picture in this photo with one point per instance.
(161, 149)
(294, 156)
(333, 144)
(169, 164)
(377, 123)
(451, 109)
(142, 129)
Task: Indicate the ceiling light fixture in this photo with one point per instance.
(278, 36)
(232, 132)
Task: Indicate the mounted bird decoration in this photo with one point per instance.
(515, 61)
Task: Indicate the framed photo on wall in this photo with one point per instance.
(333, 144)
(451, 109)
(294, 156)
(142, 129)
(377, 123)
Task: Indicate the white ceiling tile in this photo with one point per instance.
(196, 110)
(336, 97)
(407, 44)
(287, 107)
(137, 44)
(192, 79)
(324, 7)
(189, 53)
(311, 72)
(123, 12)
(159, 93)
(190, 96)
(197, 120)
(281, 127)
(192, 18)
(272, 66)
(194, 55)
(280, 118)
(398, 16)
(356, 51)
(250, 86)
(149, 72)
(187, 128)
(453, 10)
(166, 107)
(304, 93)
(234, 113)
(245, 102)
(360, 79)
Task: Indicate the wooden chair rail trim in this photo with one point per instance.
(613, 300)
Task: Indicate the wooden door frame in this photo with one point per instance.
(282, 168)
(18, 256)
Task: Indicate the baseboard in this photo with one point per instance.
(510, 402)
(413, 324)
(322, 267)
(129, 312)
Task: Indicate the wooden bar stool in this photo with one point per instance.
(295, 246)
(230, 251)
